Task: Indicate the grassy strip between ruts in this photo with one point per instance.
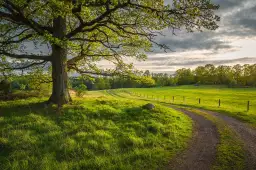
(92, 133)
(230, 153)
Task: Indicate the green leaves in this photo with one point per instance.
(100, 30)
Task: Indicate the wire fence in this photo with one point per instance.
(220, 103)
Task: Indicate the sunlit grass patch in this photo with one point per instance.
(233, 101)
(92, 133)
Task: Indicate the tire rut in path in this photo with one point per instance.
(246, 133)
(201, 152)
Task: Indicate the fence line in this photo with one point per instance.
(165, 98)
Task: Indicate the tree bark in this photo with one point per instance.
(60, 94)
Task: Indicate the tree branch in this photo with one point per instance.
(96, 20)
(24, 56)
(24, 67)
(18, 17)
(74, 67)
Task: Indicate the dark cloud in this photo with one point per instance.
(227, 4)
(237, 20)
(195, 41)
(248, 23)
(245, 18)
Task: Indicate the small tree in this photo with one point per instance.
(147, 81)
(37, 32)
(81, 90)
(5, 86)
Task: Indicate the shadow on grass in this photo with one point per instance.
(25, 107)
(16, 95)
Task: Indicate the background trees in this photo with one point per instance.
(232, 76)
(238, 75)
(184, 76)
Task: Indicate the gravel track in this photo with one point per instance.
(245, 132)
(201, 152)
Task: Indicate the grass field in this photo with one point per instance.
(233, 101)
(95, 132)
(110, 129)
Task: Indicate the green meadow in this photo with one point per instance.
(94, 132)
(109, 129)
(233, 101)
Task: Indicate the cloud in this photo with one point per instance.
(246, 18)
(195, 41)
(233, 43)
(237, 20)
(158, 58)
(214, 62)
(176, 63)
(227, 4)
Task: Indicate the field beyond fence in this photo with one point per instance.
(237, 102)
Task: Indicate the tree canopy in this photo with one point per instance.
(74, 35)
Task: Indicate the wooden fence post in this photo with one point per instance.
(173, 99)
(199, 100)
(248, 106)
(219, 102)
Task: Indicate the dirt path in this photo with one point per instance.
(202, 150)
(246, 133)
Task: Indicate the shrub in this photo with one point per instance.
(22, 86)
(5, 86)
(81, 90)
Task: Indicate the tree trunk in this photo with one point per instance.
(60, 94)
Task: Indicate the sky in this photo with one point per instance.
(234, 42)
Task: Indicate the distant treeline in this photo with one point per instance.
(237, 75)
(233, 76)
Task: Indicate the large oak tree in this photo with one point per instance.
(79, 33)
